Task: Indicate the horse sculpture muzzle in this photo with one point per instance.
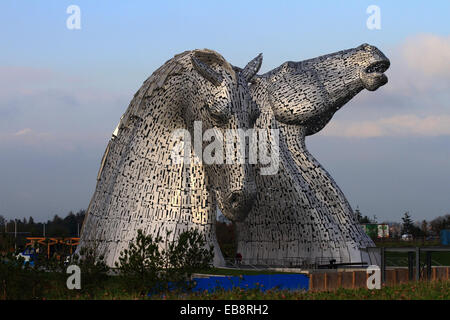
(240, 202)
(372, 75)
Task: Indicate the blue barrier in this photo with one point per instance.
(263, 282)
(445, 237)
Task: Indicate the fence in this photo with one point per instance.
(324, 281)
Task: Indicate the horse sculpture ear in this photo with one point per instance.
(252, 68)
(207, 72)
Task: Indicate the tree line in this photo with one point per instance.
(68, 226)
(417, 229)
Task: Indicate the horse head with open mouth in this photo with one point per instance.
(300, 215)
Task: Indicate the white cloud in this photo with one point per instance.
(23, 132)
(28, 138)
(420, 64)
(428, 53)
(40, 108)
(400, 125)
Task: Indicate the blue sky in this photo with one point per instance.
(62, 91)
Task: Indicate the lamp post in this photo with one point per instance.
(15, 234)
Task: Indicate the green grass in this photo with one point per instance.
(399, 243)
(439, 290)
(400, 259)
(54, 288)
(412, 291)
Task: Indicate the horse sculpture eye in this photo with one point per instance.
(254, 114)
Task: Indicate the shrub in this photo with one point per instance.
(146, 268)
(185, 256)
(139, 264)
(93, 268)
(18, 280)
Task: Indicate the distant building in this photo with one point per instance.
(407, 237)
(376, 230)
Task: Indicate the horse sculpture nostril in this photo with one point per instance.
(235, 198)
(378, 66)
(240, 200)
(238, 204)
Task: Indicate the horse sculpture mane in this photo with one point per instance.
(158, 78)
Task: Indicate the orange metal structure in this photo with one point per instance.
(52, 241)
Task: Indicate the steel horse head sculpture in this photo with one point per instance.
(141, 186)
(297, 215)
(300, 216)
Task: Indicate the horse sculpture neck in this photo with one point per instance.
(300, 213)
